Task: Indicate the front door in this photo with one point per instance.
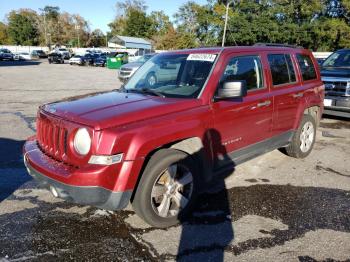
(244, 122)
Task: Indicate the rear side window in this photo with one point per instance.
(307, 67)
(246, 68)
(282, 69)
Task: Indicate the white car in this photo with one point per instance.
(22, 56)
(64, 52)
(77, 60)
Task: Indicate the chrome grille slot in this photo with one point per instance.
(336, 88)
(52, 138)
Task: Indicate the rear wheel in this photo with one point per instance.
(303, 139)
(167, 189)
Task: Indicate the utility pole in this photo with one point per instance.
(225, 26)
(77, 27)
(45, 30)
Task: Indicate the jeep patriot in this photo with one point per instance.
(180, 119)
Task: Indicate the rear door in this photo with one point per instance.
(244, 122)
(286, 89)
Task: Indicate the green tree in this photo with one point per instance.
(22, 29)
(118, 25)
(97, 38)
(159, 23)
(3, 34)
(137, 24)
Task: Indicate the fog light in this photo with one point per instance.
(105, 160)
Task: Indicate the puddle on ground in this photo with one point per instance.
(48, 233)
(51, 232)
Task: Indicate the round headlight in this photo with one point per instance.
(82, 141)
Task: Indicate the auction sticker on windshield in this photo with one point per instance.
(201, 57)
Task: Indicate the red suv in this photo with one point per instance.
(182, 117)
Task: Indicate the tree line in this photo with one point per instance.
(48, 27)
(320, 25)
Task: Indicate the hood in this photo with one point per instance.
(108, 109)
(342, 72)
(132, 65)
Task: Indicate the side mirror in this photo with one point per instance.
(232, 89)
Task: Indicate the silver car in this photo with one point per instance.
(127, 70)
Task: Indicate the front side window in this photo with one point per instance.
(282, 69)
(173, 75)
(307, 67)
(245, 68)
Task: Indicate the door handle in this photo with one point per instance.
(265, 103)
(298, 95)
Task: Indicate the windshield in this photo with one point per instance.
(6, 51)
(62, 49)
(338, 59)
(173, 75)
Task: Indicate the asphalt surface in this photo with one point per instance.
(272, 208)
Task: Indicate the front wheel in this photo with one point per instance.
(303, 139)
(167, 189)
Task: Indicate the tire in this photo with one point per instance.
(156, 190)
(303, 139)
(151, 79)
(62, 61)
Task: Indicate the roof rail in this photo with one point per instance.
(277, 45)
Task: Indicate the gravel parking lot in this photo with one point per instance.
(272, 208)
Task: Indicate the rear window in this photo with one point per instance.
(282, 69)
(307, 67)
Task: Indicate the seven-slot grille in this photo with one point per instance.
(52, 139)
(335, 88)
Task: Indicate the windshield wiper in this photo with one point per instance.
(145, 91)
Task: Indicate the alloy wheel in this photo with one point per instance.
(307, 137)
(172, 191)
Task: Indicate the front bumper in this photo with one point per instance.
(94, 196)
(340, 106)
(76, 62)
(81, 186)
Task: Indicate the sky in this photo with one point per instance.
(98, 12)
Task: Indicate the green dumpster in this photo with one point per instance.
(116, 60)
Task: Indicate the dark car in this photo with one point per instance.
(90, 58)
(56, 58)
(335, 72)
(6, 54)
(101, 60)
(39, 53)
(157, 143)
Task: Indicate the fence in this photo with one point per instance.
(19, 48)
